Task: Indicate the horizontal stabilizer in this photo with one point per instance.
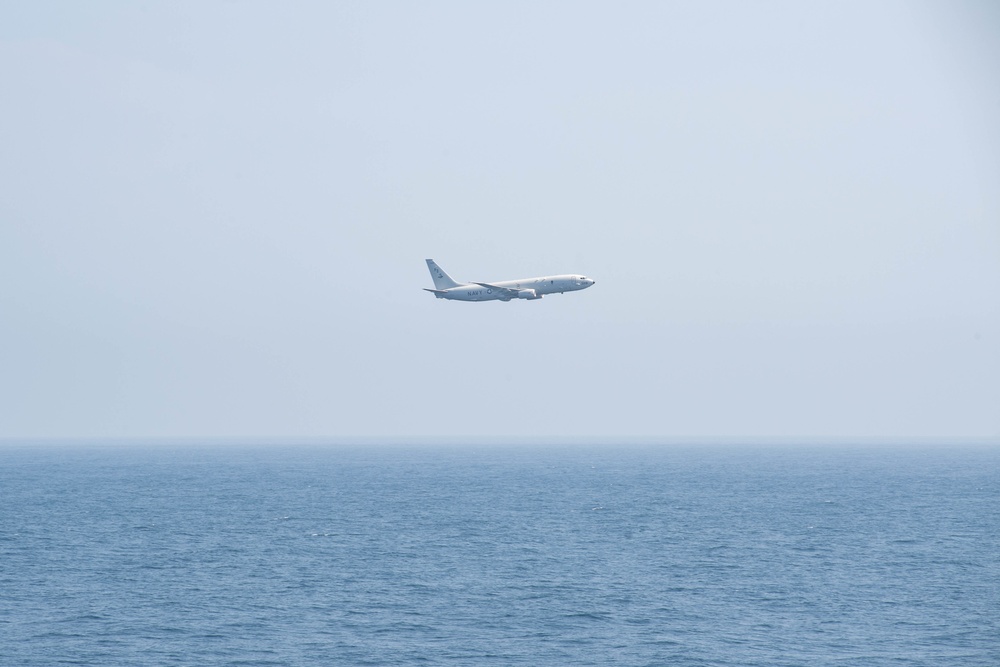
(436, 291)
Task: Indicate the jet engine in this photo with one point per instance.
(527, 294)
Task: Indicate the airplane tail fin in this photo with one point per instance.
(442, 280)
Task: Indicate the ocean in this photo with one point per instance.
(227, 554)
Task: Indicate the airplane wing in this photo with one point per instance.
(502, 290)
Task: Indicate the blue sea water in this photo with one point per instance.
(475, 555)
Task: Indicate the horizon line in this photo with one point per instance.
(491, 440)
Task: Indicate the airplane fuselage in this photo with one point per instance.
(540, 286)
(504, 290)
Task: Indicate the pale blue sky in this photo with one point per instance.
(214, 218)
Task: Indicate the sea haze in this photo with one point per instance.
(494, 555)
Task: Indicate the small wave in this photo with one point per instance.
(588, 615)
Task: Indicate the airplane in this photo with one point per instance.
(528, 288)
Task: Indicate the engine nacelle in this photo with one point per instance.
(527, 294)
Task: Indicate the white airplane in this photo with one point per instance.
(528, 288)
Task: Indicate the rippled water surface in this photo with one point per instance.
(339, 555)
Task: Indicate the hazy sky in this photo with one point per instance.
(214, 218)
